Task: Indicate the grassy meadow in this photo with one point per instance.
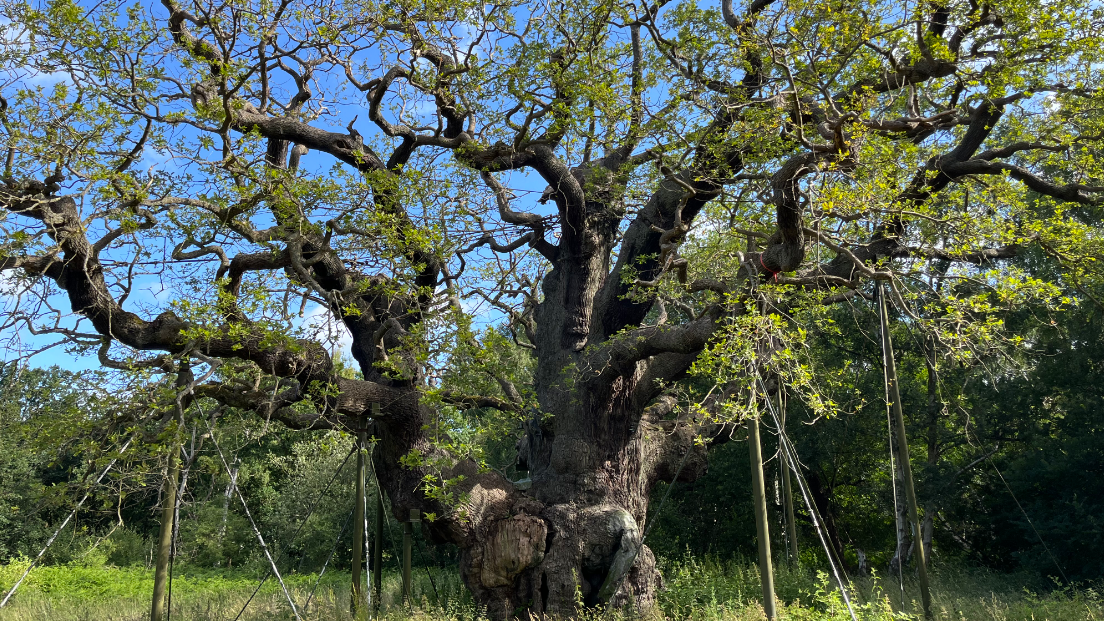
(704, 590)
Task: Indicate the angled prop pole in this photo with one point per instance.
(903, 452)
(762, 528)
(357, 603)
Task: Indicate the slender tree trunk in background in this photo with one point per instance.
(181, 491)
(787, 492)
(235, 465)
(178, 500)
(164, 535)
(926, 528)
(903, 453)
(762, 526)
(822, 497)
(357, 603)
(902, 553)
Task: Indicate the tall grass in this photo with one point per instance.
(709, 589)
(77, 592)
(697, 589)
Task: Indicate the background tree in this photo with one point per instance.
(372, 161)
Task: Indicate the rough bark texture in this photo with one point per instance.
(600, 438)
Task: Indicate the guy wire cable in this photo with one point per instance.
(57, 532)
(425, 566)
(391, 536)
(1028, 518)
(260, 539)
(287, 546)
(892, 468)
(1022, 511)
(790, 454)
(325, 564)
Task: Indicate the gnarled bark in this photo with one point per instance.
(595, 446)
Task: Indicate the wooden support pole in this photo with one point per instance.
(357, 603)
(762, 529)
(787, 492)
(164, 535)
(377, 553)
(408, 544)
(377, 547)
(903, 453)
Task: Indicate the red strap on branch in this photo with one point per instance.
(773, 274)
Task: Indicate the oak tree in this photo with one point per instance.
(613, 185)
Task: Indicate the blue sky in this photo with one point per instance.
(151, 293)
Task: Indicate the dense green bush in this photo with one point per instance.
(127, 548)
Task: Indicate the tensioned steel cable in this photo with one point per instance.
(287, 545)
(790, 454)
(1026, 517)
(260, 539)
(425, 566)
(333, 551)
(50, 541)
(892, 467)
(394, 543)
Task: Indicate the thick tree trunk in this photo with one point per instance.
(592, 457)
(568, 552)
(576, 533)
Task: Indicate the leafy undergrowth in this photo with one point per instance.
(708, 590)
(697, 589)
(77, 592)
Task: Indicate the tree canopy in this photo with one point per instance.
(546, 214)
